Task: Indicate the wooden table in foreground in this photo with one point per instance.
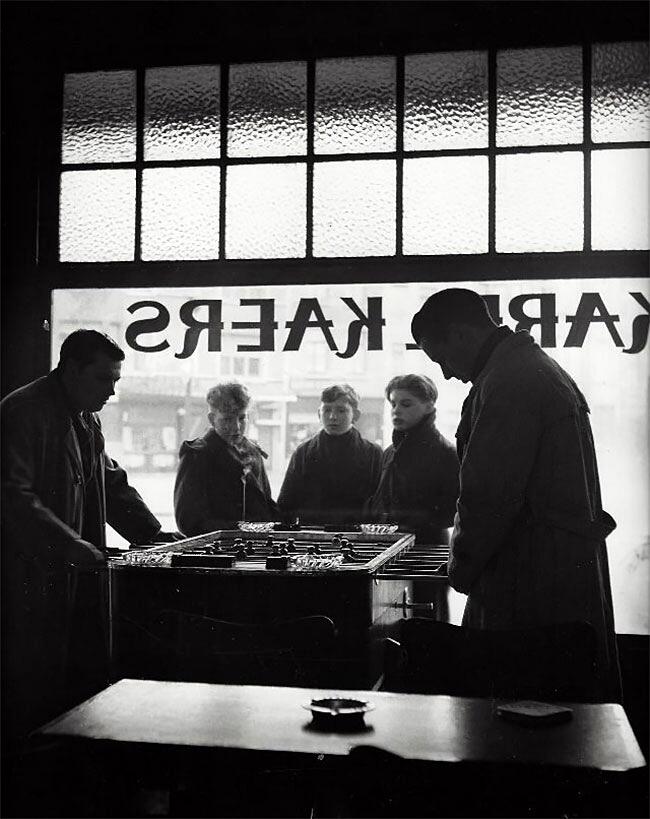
(429, 728)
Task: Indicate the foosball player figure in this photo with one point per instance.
(250, 548)
(291, 545)
(276, 560)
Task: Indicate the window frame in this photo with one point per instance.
(400, 267)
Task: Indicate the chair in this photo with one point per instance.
(555, 662)
(203, 649)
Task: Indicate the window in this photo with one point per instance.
(475, 155)
(470, 152)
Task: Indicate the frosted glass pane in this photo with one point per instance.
(99, 117)
(265, 211)
(97, 216)
(445, 101)
(539, 96)
(355, 105)
(180, 213)
(446, 205)
(619, 199)
(267, 114)
(620, 103)
(354, 208)
(539, 202)
(181, 112)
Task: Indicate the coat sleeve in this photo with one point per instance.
(266, 488)
(375, 457)
(194, 513)
(23, 509)
(443, 504)
(291, 494)
(126, 512)
(497, 462)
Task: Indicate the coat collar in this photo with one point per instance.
(216, 443)
(509, 345)
(421, 430)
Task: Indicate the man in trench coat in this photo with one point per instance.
(59, 489)
(528, 544)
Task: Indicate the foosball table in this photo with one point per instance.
(260, 573)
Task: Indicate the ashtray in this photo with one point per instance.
(338, 713)
(256, 526)
(379, 528)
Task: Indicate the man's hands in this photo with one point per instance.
(80, 554)
(161, 537)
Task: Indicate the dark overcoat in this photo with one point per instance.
(528, 545)
(47, 503)
(208, 490)
(330, 478)
(418, 487)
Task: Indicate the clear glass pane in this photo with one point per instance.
(539, 202)
(539, 96)
(267, 115)
(355, 105)
(265, 211)
(99, 117)
(354, 208)
(445, 101)
(446, 205)
(180, 213)
(181, 112)
(619, 199)
(620, 102)
(97, 216)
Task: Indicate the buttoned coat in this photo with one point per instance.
(528, 545)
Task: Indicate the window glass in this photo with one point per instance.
(181, 112)
(355, 105)
(539, 96)
(539, 202)
(446, 205)
(620, 83)
(265, 211)
(99, 117)
(587, 325)
(267, 109)
(97, 216)
(619, 199)
(180, 213)
(354, 208)
(445, 101)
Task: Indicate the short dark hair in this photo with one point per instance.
(83, 346)
(455, 305)
(344, 391)
(420, 386)
(228, 396)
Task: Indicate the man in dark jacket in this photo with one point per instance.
(332, 475)
(528, 545)
(59, 488)
(221, 477)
